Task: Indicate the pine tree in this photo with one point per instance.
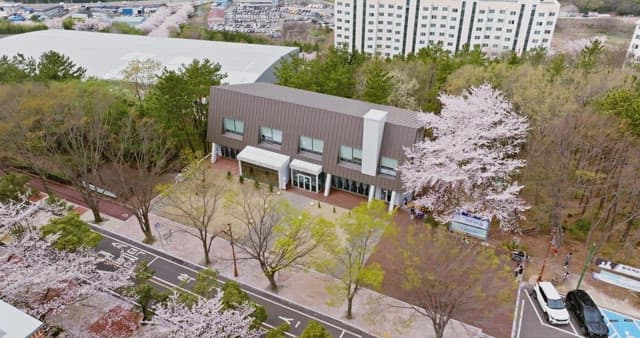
(378, 84)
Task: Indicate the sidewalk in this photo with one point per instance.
(374, 313)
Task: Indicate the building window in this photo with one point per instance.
(312, 145)
(270, 135)
(350, 155)
(388, 166)
(233, 126)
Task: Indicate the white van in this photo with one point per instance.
(551, 303)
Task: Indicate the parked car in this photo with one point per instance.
(551, 303)
(587, 313)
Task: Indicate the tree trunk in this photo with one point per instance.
(349, 307)
(95, 209)
(207, 260)
(272, 281)
(145, 226)
(627, 230)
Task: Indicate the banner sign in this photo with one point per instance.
(617, 280)
(470, 225)
(619, 268)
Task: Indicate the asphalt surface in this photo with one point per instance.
(172, 271)
(530, 322)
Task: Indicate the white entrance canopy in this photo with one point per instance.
(307, 167)
(263, 158)
(15, 323)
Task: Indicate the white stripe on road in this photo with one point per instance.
(515, 315)
(545, 324)
(520, 321)
(247, 291)
(574, 329)
(153, 260)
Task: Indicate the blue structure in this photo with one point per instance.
(621, 326)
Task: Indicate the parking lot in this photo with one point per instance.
(529, 321)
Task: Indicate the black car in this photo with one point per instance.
(587, 313)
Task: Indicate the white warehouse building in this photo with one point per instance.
(402, 27)
(106, 55)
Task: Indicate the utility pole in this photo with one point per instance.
(544, 263)
(592, 252)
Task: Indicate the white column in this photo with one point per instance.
(372, 191)
(317, 184)
(214, 153)
(393, 201)
(327, 185)
(240, 167)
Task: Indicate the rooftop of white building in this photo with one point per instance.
(105, 55)
(15, 323)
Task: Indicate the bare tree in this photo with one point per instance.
(195, 202)
(446, 275)
(276, 235)
(141, 154)
(141, 74)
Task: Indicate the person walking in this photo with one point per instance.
(567, 259)
(519, 270)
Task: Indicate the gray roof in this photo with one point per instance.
(398, 116)
(105, 55)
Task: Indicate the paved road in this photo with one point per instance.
(530, 321)
(172, 271)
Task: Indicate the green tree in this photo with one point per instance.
(12, 187)
(67, 23)
(74, 233)
(17, 68)
(55, 66)
(347, 262)
(278, 331)
(145, 294)
(378, 83)
(204, 286)
(276, 235)
(624, 103)
(447, 276)
(590, 55)
(179, 101)
(315, 330)
(233, 297)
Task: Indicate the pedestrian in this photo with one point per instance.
(567, 259)
(565, 276)
(518, 270)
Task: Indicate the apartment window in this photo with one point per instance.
(490, 20)
(545, 40)
(482, 11)
(536, 32)
(434, 17)
(496, 37)
(534, 41)
(432, 25)
(388, 166)
(487, 36)
(339, 11)
(452, 27)
(451, 36)
(541, 14)
(502, 11)
(511, 22)
(370, 30)
(539, 23)
(512, 13)
(432, 33)
(372, 6)
(339, 35)
(499, 29)
(480, 20)
(509, 30)
(507, 39)
(379, 30)
(549, 23)
(500, 20)
(444, 9)
(552, 13)
(380, 22)
(339, 4)
(371, 22)
(397, 7)
(491, 11)
(444, 17)
(455, 10)
(312, 145)
(233, 126)
(495, 45)
(426, 9)
(441, 34)
(453, 18)
(389, 22)
(424, 25)
(270, 135)
(434, 8)
(479, 29)
(425, 17)
(443, 25)
(449, 43)
(339, 20)
(488, 28)
(477, 37)
(423, 34)
(395, 40)
(370, 46)
(350, 155)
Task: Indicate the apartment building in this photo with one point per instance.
(634, 47)
(402, 27)
(292, 138)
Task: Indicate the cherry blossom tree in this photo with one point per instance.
(205, 318)
(13, 212)
(42, 280)
(469, 160)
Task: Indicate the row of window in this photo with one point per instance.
(388, 166)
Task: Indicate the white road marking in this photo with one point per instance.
(342, 334)
(545, 324)
(520, 321)
(515, 334)
(247, 291)
(288, 320)
(297, 324)
(287, 333)
(572, 327)
(153, 260)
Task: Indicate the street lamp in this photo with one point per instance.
(233, 250)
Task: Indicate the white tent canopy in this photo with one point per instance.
(306, 167)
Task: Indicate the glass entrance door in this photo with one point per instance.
(303, 182)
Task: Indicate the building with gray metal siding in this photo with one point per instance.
(291, 137)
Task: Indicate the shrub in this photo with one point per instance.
(228, 175)
(315, 330)
(256, 184)
(12, 186)
(7, 27)
(67, 23)
(278, 331)
(270, 187)
(241, 179)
